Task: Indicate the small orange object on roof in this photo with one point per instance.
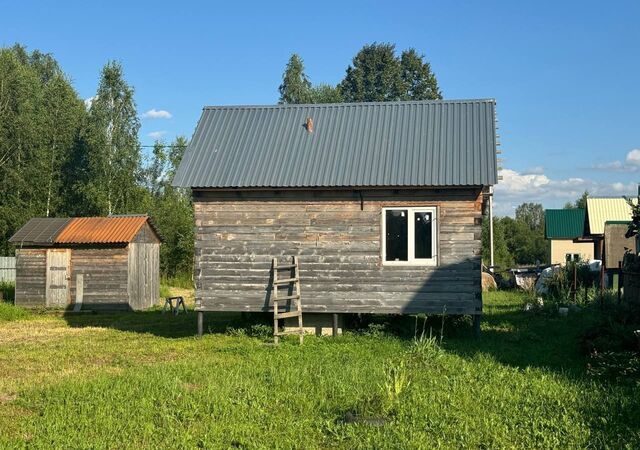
(101, 230)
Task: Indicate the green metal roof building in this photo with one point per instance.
(564, 228)
(564, 223)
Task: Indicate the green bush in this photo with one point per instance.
(8, 291)
(560, 284)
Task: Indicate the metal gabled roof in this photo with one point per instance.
(81, 230)
(39, 231)
(564, 223)
(601, 210)
(101, 230)
(382, 144)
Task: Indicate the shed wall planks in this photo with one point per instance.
(337, 235)
(144, 269)
(105, 276)
(31, 274)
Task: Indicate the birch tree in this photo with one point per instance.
(113, 179)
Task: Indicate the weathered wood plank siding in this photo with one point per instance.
(337, 235)
(105, 273)
(31, 274)
(144, 270)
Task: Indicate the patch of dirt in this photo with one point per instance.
(41, 331)
(7, 398)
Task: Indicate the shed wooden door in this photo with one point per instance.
(58, 276)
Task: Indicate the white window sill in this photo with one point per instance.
(425, 263)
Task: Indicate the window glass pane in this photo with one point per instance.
(396, 223)
(423, 242)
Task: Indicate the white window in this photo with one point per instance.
(409, 236)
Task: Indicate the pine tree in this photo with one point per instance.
(295, 87)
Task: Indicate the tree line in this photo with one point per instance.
(60, 157)
(376, 74)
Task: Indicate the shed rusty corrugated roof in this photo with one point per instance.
(48, 231)
(379, 144)
(101, 230)
(601, 210)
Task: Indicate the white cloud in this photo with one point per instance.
(633, 157)
(89, 101)
(157, 114)
(516, 188)
(156, 134)
(630, 164)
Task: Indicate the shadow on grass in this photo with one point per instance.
(160, 324)
(510, 335)
(539, 338)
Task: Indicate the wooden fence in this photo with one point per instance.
(8, 269)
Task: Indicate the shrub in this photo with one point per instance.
(8, 291)
(560, 284)
(631, 263)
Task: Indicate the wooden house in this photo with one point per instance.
(564, 229)
(381, 202)
(87, 262)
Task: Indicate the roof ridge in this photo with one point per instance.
(349, 104)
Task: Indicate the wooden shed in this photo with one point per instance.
(381, 202)
(88, 262)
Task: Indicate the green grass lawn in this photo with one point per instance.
(142, 380)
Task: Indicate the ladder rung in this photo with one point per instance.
(285, 281)
(286, 315)
(288, 266)
(285, 332)
(286, 297)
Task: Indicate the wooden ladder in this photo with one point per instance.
(293, 282)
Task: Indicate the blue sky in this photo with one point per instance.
(565, 74)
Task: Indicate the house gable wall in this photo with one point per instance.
(337, 236)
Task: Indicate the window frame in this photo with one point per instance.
(411, 260)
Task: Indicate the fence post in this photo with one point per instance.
(619, 282)
(575, 283)
(602, 285)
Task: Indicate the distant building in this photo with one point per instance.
(599, 212)
(615, 242)
(564, 228)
